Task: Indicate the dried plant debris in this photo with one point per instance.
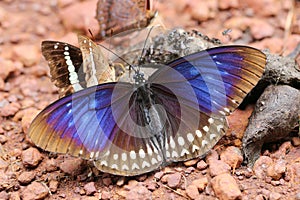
(276, 114)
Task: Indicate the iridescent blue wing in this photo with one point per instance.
(208, 85)
(94, 124)
(179, 114)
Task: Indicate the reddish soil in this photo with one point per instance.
(27, 172)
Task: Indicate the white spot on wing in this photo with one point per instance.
(212, 136)
(204, 142)
(114, 166)
(103, 162)
(180, 141)
(153, 161)
(184, 151)
(205, 128)
(172, 143)
(198, 133)
(142, 153)
(124, 156)
(135, 166)
(145, 164)
(195, 147)
(211, 120)
(115, 156)
(125, 167)
(132, 155)
(190, 137)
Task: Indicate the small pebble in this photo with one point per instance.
(174, 180)
(201, 165)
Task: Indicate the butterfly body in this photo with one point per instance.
(175, 114)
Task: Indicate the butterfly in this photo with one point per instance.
(73, 69)
(175, 114)
(116, 16)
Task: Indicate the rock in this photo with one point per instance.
(26, 177)
(31, 157)
(261, 165)
(28, 54)
(75, 17)
(131, 184)
(258, 7)
(297, 196)
(90, 188)
(34, 191)
(107, 181)
(71, 165)
(275, 196)
(217, 167)
(201, 183)
(192, 191)
(258, 32)
(10, 109)
(276, 44)
(173, 180)
(9, 68)
(121, 181)
(139, 192)
(213, 155)
(201, 165)
(189, 170)
(202, 11)
(232, 156)
(28, 116)
(158, 175)
(15, 196)
(226, 4)
(277, 169)
(293, 172)
(276, 114)
(106, 195)
(53, 185)
(191, 162)
(4, 195)
(3, 139)
(152, 186)
(238, 122)
(4, 181)
(225, 187)
(296, 141)
(238, 22)
(51, 165)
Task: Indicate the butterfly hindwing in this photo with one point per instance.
(65, 62)
(177, 114)
(95, 65)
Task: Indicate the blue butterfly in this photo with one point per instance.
(177, 113)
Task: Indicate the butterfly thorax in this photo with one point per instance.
(139, 79)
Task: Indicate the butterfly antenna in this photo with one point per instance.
(130, 65)
(92, 36)
(144, 47)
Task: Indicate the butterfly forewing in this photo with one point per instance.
(208, 85)
(178, 114)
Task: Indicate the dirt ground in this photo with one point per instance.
(27, 172)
